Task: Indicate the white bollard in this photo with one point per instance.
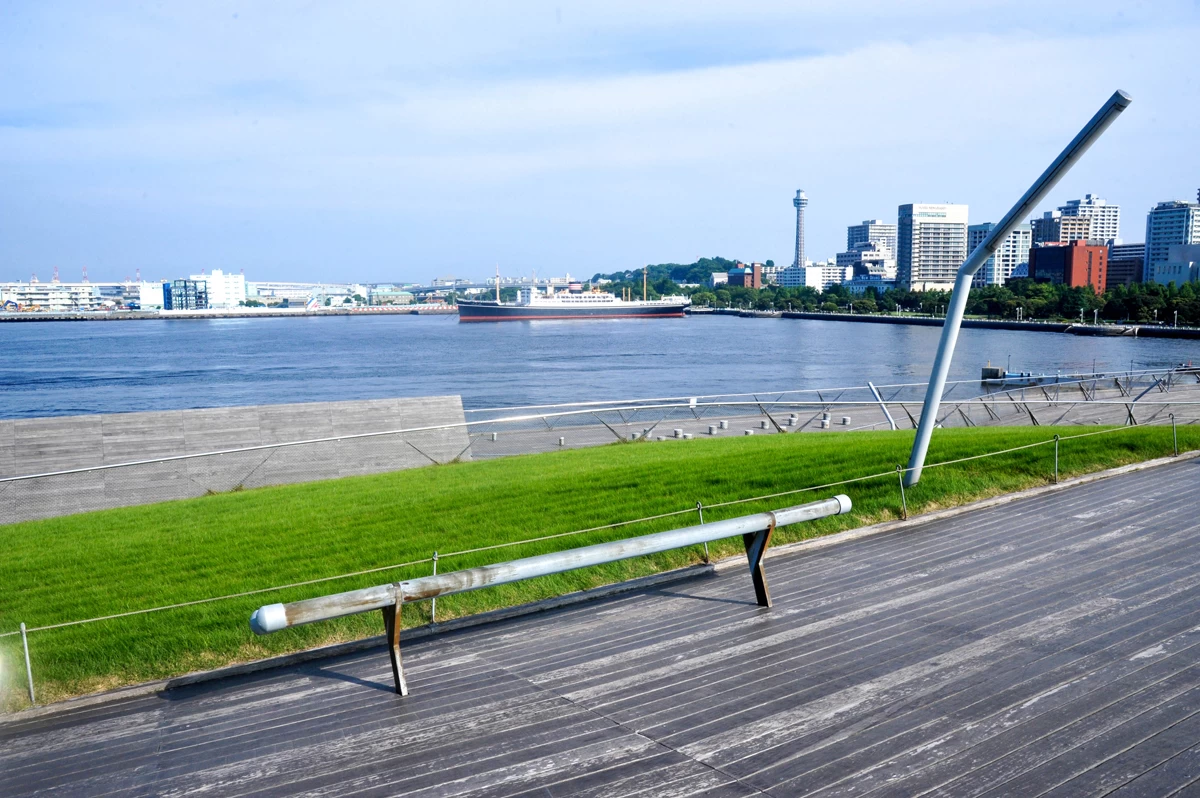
(712, 430)
(824, 423)
(562, 441)
(678, 433)
(845, 421)
(723, 424)
(495, 436)
(687, 436)
(762, 425)
(749, 432)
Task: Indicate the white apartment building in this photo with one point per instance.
(150, 295)
(1168, 224)
(53, 296)
(931, 243)
(1013, 252)
(871, 258)
(224, 290)
(1106, 218)
(1054, 227)
(871, 230)
(1181, 266)
(819, 276)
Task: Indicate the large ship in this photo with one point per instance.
(573, 303)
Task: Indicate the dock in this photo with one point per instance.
(1049, 645)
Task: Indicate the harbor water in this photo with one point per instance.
(63, 368)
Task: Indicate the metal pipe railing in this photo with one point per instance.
(962, 283)
(755, 531)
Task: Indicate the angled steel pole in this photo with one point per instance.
(962, 284)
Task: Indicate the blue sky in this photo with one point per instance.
(387, 141)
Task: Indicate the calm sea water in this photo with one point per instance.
(106, 367)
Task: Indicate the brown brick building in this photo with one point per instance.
(746, 276)
(1076, 264)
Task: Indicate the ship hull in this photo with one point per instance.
(490, 311)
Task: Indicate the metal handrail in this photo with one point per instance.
(755, 530)
(611, 407)
(1096, 126)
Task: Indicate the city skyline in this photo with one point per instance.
(365, 144)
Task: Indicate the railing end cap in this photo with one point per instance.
(270, 618)
(844, 504)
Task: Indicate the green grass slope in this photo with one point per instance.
(114, 561)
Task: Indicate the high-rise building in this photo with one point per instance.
(1075, 264)
(931, 243)
(871, 230)
(1169, 223)
(1012, 253)
(1055, 228)
(1106, 218)
(1126, 263)
(800, 202)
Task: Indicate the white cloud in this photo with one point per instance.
(376, 126)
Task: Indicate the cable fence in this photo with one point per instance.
(1173, 420)
(80, 485)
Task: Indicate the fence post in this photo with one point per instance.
(433, 601)
(1055, 459)
(1174, 436)
(903, 500)
(28, 667)
(700, 510)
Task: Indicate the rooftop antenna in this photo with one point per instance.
(33, 278)
(1096, 126)
(85, 279)
(55, 278)
(137, 274)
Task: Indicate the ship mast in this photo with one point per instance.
(644, 268)
(497, 283)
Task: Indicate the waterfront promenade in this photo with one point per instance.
(1047, 645)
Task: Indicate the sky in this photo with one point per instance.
(380, 142)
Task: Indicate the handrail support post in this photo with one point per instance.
(756, 549)
(392, 623)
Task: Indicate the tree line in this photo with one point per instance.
(1140, 303)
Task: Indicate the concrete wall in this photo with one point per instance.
(40, 445)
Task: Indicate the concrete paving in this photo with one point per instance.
(1047, 646)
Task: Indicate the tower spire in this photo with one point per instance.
(800, 203)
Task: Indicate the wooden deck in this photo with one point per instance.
(1046, 647)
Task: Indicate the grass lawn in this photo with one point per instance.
(112, 561)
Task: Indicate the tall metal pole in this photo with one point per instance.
(962, 284)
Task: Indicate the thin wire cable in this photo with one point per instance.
(567, 534)
(222, 598)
